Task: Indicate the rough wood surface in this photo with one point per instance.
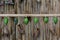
(46, 30)
(49, 31)
(32, 6)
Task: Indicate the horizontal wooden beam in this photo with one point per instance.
(14, 15)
